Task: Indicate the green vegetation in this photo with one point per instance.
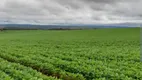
(13, 71)
(101, 54)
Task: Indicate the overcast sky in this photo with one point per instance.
(70, 11)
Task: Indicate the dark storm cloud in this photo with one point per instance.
(71, 11)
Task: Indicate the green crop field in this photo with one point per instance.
(100, 54)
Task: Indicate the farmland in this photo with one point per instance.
(100, 54)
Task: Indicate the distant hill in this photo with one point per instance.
(68, 26)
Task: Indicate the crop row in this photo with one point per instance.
(45, 68)
(73, 64)
(13, 71)
(102, 54)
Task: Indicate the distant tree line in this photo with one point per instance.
(1, 28)
(35, 28)
(65, 29)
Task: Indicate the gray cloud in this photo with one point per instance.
(73, 11)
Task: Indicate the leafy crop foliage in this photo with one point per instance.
(101, 54)
(13, 71)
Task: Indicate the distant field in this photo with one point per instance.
(101, 54)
